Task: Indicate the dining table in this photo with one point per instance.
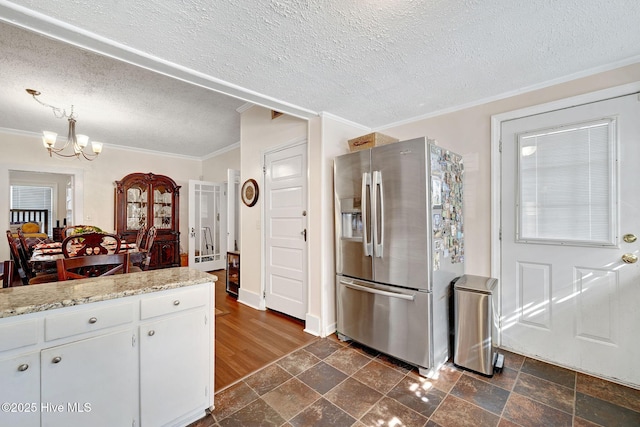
(45, 255)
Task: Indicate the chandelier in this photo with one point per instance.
(77, 142)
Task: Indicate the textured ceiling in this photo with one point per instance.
(115, 102)
(374, 62)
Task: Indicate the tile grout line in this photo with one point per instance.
(404, 376)
(509, 398)
(442, 401)
(322, 396)
(296, 377)
(475, 404)
(266, 366)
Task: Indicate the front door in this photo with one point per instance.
(207, 226)
(285, 207)
(570, 211)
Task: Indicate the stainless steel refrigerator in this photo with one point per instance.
(399, 244)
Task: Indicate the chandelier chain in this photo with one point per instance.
(59, 113)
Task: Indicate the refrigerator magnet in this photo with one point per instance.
(436, 192)
(249, 192)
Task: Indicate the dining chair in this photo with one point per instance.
(81, 267)
(27, 275)
(145, 250)
(148, 245)
(14, 245)
(90, 244)
(142, 231)
(23, 242)
(8, 268)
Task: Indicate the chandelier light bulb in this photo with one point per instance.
(49, 138)
(83, 140)
(96, 147)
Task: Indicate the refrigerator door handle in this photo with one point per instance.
(365, 194)
(352, 285)
(378, 238)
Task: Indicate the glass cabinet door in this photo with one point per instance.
(136, 207)
(162, 208)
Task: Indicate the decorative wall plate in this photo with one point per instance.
(249, 192)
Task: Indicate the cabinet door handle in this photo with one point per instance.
(151, 333)
(93, 320)
(23, 367)
(56, 359)
(176, 302)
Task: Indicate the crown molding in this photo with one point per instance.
(42, 24)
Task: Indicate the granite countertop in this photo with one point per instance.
(48, 296)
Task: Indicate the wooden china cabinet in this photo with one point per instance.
(147, 199)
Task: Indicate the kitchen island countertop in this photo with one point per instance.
(36, 298)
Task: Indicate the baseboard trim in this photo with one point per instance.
(331, 329)
(251, 299)
(312, 325)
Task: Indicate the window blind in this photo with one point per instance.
(566, 184)
(33, 197)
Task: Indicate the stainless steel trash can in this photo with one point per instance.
(474, 325)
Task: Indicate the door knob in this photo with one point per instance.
(629, 238)
(304, 234)
(629, 258)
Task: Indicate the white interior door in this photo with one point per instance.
(570, 203)
(286, 227)
(207, 225)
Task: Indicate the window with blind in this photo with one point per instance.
(33, 197)
(567, 182)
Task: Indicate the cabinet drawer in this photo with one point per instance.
(18, 334)
(92, 319)
(174, 302)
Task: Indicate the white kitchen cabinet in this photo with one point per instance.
(139, 360)
(20, 390)
(90, 382)
(174, 367)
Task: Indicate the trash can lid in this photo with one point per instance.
(482, 284)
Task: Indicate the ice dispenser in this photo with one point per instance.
(351, 218)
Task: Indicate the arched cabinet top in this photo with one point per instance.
(148, 178)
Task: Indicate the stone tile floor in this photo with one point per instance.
(329, 383)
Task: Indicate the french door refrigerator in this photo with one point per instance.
(399, 244)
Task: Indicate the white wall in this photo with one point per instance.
(258, 133)
(214, 169)
(326, 138)
(20, 152)
(331, 141)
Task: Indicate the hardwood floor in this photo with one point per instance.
(248, 339)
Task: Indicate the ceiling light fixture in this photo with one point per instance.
(77, 142)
